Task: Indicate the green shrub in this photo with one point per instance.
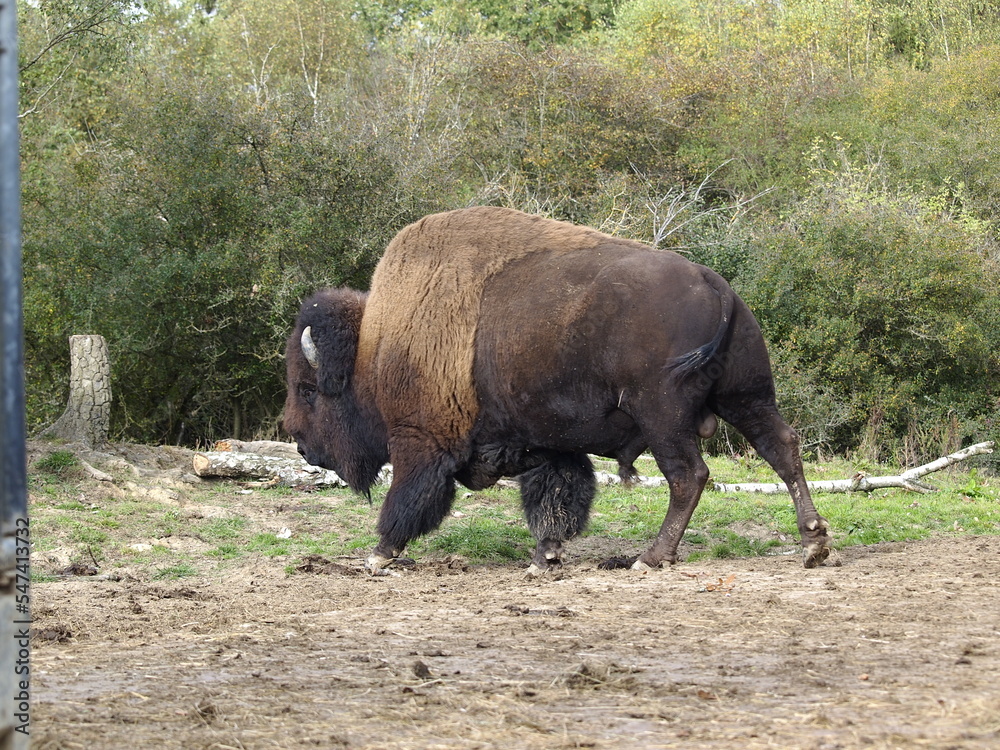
(883, 303)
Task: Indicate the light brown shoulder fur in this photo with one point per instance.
(417, 342)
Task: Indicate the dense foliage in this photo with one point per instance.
(192, 169)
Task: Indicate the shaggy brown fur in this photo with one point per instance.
(435, 271)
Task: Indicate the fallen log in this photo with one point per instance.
(606, 477)
(860, 482)
(260, 447)
(278, 469)
(232, 462)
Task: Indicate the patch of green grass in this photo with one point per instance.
(226, 551)
(166, 523)
(218, 529)
(173, 572)
(87, 535)
(740, 524)
(57, 462)
(628, 513)
(728, 544)
(697, 538)
(869, 518)
(898, 516)
(329, 543)
(360, 542)
(480, 540)
(269, 544)
(72, 505)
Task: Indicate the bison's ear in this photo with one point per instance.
(334, 321)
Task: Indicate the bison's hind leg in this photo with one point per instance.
(670, 418)
(679, 459)
(556, 497)
(626, 460)
(778, 444)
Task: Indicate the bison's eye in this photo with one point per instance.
(307, 392)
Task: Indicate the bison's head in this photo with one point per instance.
(332, 426)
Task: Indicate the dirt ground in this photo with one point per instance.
(898, 646)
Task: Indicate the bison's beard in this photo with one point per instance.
(361, 474)
(360, 448)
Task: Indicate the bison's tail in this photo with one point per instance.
(696, 360)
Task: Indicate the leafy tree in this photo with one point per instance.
(536, 25)
(297, 46)
(938, 127)
(62, 45)
(187, 236)
(553, 124)
(540, 24)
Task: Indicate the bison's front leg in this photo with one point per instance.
(556, 497)
(422, 490)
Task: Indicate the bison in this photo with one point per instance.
(496, 343)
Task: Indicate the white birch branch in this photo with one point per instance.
(97, 474)
(908, 479)
(604, 477)
(283, 468)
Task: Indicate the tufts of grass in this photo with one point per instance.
(173, 572)
(362, 542)
(218, 529)
(72, 505)
(270, 545)
(728, 544)
(628, 513)
(481, 540)
(901, 516)
(88, 535)
(226, 552)
(56, 463)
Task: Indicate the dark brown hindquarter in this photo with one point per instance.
(563, 363)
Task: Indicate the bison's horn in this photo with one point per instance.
(309, 348)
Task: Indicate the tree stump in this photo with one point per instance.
(88, 412)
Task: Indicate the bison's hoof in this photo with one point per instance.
(814, 554)
(377, 565)
(534, 571)
(617, 563)
(548, 568)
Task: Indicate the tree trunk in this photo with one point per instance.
(88, 412)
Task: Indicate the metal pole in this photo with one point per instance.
(15, 580)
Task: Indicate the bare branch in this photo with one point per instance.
(861, 483)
